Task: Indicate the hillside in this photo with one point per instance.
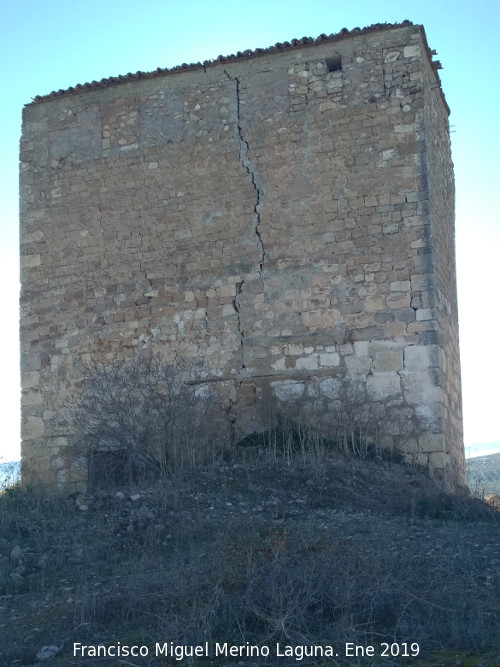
(298, 551)
(483, 474)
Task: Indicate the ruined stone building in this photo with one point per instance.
(283, 217)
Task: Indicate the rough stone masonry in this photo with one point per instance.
(283, 218)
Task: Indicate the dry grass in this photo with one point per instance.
(483, 474)
(297, 547)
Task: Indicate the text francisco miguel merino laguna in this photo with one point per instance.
(206, 650)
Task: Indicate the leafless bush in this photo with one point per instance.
(342, 420)
(363, 428)
(9, 474)
(132, 419)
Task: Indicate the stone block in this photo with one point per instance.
(312, 319)
(227, 310)
(383, 386)
(329, 359)
(226, 291)
(387, 356)
(412, 51)
(32, 428)
(30, 362)
(288, 390)
(406, 315)
(418, 388)
(331, 318)
(400, 286)
(422, 460)
(30, 379)
(30, 261)
(432, 442)
(439, 460)
(410, 446)
(307, 363)
(421, 282)
(392, 56)
(361, 348)
(398, 300)
(31, 397)
(419, 357)
(80, 138)
(374, 303)
(424, 314)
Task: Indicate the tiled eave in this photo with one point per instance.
(240, 55)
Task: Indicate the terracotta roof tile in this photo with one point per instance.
(240, 55)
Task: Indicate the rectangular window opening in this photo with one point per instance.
(334, 64)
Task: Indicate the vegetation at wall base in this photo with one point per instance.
(263, 546)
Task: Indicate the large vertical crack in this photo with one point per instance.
(249, 167)
(241, 333)
(247, 164)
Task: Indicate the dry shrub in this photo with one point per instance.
(133, 419)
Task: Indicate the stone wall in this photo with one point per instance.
(283, 219)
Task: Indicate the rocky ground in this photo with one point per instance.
(269, 550)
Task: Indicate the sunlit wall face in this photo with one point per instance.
(166, 34)
(283, 220)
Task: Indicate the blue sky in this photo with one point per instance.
(55, 44)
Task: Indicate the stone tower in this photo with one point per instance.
(283, 217)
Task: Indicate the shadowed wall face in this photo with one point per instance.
(284, 221)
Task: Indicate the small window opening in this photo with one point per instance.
(334, 64)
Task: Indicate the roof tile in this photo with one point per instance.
(240, 55)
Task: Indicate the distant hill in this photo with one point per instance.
(483, 474)
(10, 473)
(482, 449)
